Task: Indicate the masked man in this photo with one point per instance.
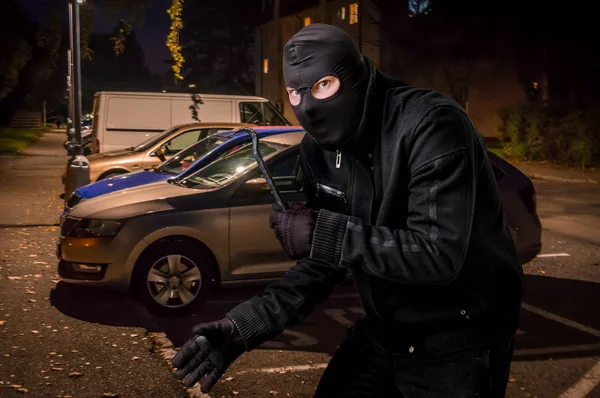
(401, 193)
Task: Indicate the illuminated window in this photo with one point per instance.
(353, 13)
(306, 21)
(265, 66)
(342, 13)
(536, 85)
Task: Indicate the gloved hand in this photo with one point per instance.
(294, 228)
(216, 346)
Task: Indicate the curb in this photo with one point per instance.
(165, 349)
(560, 179)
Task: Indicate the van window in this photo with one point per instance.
(138, 114)
(262, 114)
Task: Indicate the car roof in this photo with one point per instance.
(261, 131)
(209, 125)
(292, 138)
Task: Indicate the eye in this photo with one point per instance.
(294, 96)
(325, 87)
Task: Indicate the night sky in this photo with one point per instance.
(151, 35)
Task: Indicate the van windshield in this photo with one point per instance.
(184, 159)
(153, 140)
(261, 114)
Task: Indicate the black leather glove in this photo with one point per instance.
(217, 345)
(294, 228)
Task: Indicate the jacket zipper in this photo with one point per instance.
(338, 159)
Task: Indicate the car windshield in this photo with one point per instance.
(230, 165)
(155, 139)
(184, 159)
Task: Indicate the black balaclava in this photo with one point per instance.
(320, 50)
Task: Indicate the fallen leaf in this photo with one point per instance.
(510, 379)
(110, 394)
(33, 255)
(229, 378)
(23, 390)
(235, 393)
(135, 358)
(56, 369)
(273, 392)
(74, 351)
(34, 331)
(2, 323)
(12, 278)
(32, 300)
(15, 385)
(133, 335)
(29, 292)
(75, 374)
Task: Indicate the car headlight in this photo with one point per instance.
(94, 228)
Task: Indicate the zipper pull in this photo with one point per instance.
(338, 159)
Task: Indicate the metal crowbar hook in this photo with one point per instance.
(263, 167)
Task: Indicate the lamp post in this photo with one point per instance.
(78, 170)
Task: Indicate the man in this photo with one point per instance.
(401, 193)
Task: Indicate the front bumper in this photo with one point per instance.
(102, 262)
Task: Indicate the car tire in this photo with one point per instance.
(154, 278)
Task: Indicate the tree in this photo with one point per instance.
(218, 42)
(106, 71)
(29, 59)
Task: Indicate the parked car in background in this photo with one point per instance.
(154, 151)
(125, 119)
(171, 242)
(183, 163)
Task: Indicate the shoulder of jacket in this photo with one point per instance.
(414, 100)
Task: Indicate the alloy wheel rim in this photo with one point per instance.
(174, 281)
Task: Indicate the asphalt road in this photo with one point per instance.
(58, 340)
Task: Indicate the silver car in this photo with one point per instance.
(170, 242)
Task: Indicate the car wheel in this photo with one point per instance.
(174, 277)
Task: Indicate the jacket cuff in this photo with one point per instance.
(250, 324)
(328, 237)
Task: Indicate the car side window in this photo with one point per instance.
(285, 172)
(182, 141)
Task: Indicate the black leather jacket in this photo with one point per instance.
(412, 210)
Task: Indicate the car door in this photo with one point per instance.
(174, 145)
(254, 250)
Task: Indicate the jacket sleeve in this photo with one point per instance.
(441, 194)
(289, 301)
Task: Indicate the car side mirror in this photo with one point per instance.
(159, 152)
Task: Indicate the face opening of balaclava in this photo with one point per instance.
(313, 53)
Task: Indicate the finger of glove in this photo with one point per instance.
(186, 352)
(211, 380)
(200, 371)
(194, 362)
(207, 329)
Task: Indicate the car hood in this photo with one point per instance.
(129, 180)
(132, 202)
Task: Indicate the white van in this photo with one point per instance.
(125, 119)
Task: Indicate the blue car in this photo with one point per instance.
(186, 162)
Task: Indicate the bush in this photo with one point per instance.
(560, 136)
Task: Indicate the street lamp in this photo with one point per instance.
(78, 171)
